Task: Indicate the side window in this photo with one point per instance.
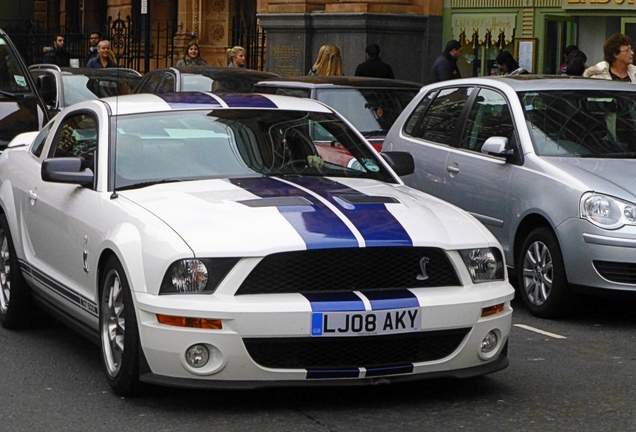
(38, 144)
(150, 86)
(439, 121)
(77, 136)
(167, 85)
(489, 116)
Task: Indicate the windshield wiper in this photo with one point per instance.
(367, 134)
(147, 183)
(9, 94)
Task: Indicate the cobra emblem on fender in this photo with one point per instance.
(423, 275)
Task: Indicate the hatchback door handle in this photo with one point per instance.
(33, 195)
(453, 169)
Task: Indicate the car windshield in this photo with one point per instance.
(12, 79)
(582, 123)
(78, 88)
(202, 144)
(372, 111)
(236, 83)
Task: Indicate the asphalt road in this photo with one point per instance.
(578, 375)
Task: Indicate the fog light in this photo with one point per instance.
(197, 356)
(489, 343)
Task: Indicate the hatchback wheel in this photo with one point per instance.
(119, 331)
(14, 296)
(541, 274)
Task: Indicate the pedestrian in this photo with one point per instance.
(192, 56)
(57, 54)
(576, 63)
(103, 59)
(373, 66)
(617, 66)
(93, 40)
(236, 57)
(566, 52)
(445, 66)
(328, 62)
(508, 65)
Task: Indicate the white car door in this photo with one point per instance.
(57, 225)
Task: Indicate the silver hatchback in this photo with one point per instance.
(547, 164)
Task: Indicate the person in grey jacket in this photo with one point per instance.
(617, 66)
(445, 66)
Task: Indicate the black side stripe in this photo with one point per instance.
(59, 289)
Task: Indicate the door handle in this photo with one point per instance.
(32, 195)
(453, 169)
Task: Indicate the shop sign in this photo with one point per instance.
(599, 4)
(482, 26)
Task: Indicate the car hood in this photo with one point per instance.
(260, 215)
(610, 176)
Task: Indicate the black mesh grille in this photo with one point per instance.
(353, 352)
(349, 269)
(617, 271)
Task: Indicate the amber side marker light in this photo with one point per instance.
(492, 310)
(202, 323)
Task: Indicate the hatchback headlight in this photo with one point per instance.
(606, 211)
(196, 276)
(484, 264)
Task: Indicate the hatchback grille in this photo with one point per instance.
(618, 272)
(353, 352)
(350, 269)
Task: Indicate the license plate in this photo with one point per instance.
(365, 323)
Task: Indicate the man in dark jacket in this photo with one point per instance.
(445, 66)
(373, 66)
(58, 54)
(94, 39)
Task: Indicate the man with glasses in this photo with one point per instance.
(617, 65)
(57, 54)
(94, 39)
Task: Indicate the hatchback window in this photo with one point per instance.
(489, 116)
(439, 122)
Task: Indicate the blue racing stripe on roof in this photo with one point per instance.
(248, 100)
(376, 224)
(317, 224)
(391, 299)
(189, 100)
(336, 301)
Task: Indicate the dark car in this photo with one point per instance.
(371, 104)
(62, 87)
(21, 107)
(201, 78)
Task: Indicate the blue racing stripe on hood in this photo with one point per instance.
(376, 224)
(189, 100)
(391, 299)
(247, 100)
(317, 224)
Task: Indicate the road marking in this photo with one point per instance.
(543, 332)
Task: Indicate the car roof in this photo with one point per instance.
(90, 72)
(214, 71)
(544, 82)
(148, 102)
(339, 81)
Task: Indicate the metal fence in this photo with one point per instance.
(129, 41)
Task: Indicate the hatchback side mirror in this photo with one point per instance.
(401, 162)
(496, 146)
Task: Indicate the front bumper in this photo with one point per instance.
(287, 317)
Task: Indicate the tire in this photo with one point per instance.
(119, 333)
(541, 277)
(14, 292)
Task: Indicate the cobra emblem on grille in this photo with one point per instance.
(423, 263)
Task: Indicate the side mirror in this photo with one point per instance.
(401, 162)
(70, 170)
(496, 146)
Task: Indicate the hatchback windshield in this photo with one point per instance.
(12, 78)
(232, 143)
(595, 124)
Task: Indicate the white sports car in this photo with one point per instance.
(205, 242)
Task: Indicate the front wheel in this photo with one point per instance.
(118, 330)
(14, 295)
(541, 274)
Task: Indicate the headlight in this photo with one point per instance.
(484, 265)
(607, 212)
(195, 276)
